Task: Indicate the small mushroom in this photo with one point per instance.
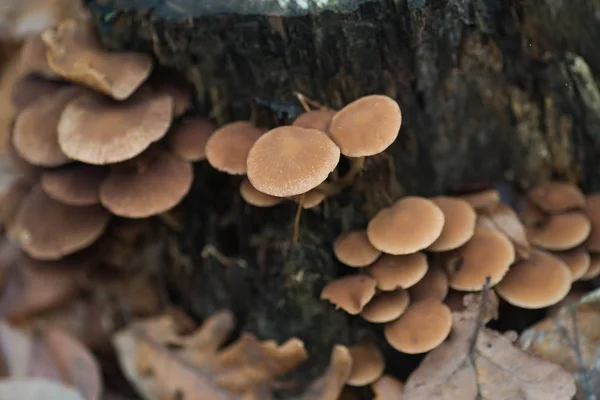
(387, 388)
(561, 231)
(459, 223)
(312, 198)
(410, 225)
(256, 198)
(540, 281)
(422, 327)
(433, 285)
(592, 212)
(315, 119)
(76, 54)
(228, 147)
(504, 219)
(403, 271)
(96, 130)
(578, 260)
(290, 160)
(557, 197)
(156, 184)
(350, 293)
(482, 200)
(367, 364)
(76, 185)
(354, 249)
(594, 268)
(188, 138)
(49, 230)
(489, 253)
(29, 88)
(386, 306)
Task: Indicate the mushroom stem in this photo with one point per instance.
(336, 186)
(297, 219)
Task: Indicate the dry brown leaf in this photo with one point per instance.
(571, 338)
(52, 355)
(36, 389)
(479, 363)
(504, 219)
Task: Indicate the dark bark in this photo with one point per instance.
(491, 90)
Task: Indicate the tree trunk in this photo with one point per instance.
(491, 90)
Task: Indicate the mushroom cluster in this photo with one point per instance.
(412, 253)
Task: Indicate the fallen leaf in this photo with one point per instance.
(571, 338)
(331, 383)
(479, 363)
(504, 219)
(36, 389)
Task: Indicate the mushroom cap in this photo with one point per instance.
(367, 364)
(433, 285)
(228, 147)
(482, 200)
(592, 212)
(578, 260)
(459, 223)
(594, 268)
(350, 293)
(488, 253)
(49, 230)
(354, 249)
(159, 185)
(315, 119)
(423, 326)
(556, 197)
(29, 88)
(386, 306)
(76, 54)
(392, 272)
(33, 57)
(35, 134)
(312, 198)
(256, 198)
(27, 171)
(76, 185)
(188, 138)
(290, 160)
(561, 231)
(387, 388)
(410, 225)
(366, 126)
(97, 130)
(540, 281)
(505, 220)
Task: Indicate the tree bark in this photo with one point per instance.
(491, 91)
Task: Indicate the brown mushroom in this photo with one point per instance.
(188, 138)
(489, 253)
(505, 220)
(387, 388)
(155, 183)
(386, 306)
(49, 230)
(433, 285)
(290, 160)
(29, 88)
(557, 197)
(592, 212)
(228, 147)
(256, 198)
(76, 54)
(540, 281)
(76, 185)
(578, 260)
(315, 119)
(354, 249)
(410, 225)
(310, 199)
(35, 134)
(422, 327)
(594, 268)
(459, 223)
(561, 231)
(482, 200)
(367, 364)
(403, 271)
(350, 293)
(96, 130)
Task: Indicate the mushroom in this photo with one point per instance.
(433, 285)
(594, 268)
(386, 306)
(367, 364)
(228, 147)
(290, 160)
(29, 88)
(489, 253)
(315, 119)
(35, 134)
(76, 54)
(557, 197)
(310, 199)
(256, 198)
(561, 231)
(403, 271)
(49, 230)
(410, 225)
(350, 293)
(482, 200)
(188, 138)
(592, 212)
(504, 219)
(578, 260)
(173, 85)
(459, 223)
(354, 249)
(422, 327)
(387, 388)
(153, 184)
(76, 185)
(97, 130)
(365, 127)
(540, 281)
